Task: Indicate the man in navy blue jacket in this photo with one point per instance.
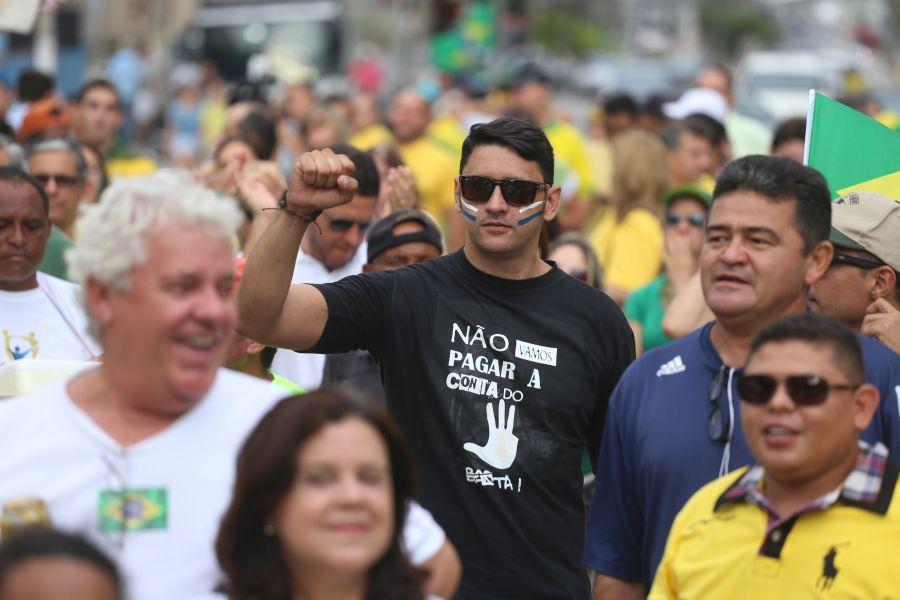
(673, 422)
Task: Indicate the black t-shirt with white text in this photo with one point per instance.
(499, 385)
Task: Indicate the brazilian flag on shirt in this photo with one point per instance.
(853, 151)
(133, 509)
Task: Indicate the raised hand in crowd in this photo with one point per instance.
(882, 322)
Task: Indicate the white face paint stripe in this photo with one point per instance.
(530, 206)
(465, 204)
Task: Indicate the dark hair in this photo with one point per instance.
(39, 542)
(620, 103)
(94, 84)
(522, 137)
(779, 178)
(672, 133)
(366, 173)
(17, 176)
(266, 469)
(653, 106)
(704, 125)
(789, 130)
(33, 85)
(817, 330)
(266, 356)
(259, 131)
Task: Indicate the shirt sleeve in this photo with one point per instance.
(615, 525)
(422, 536)
(358, 308)
(620, 353)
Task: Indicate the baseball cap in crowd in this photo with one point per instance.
(868, 221)
(381, 236)
(698, 101)
(45, 117)
(686, 191)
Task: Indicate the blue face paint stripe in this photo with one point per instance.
(532, 217)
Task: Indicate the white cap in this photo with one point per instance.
(698, 100)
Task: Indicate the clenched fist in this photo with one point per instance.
(321, 179)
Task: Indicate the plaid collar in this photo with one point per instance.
(869, 486)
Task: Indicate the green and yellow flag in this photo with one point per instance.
(852, 151)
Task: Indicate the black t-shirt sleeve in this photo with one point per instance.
(358, 309)
(618, 353)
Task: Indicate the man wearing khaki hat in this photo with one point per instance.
(862, 285)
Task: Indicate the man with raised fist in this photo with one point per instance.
(496, 364)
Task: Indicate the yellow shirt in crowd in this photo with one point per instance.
(433, 169)
(844, 551)
(629, 250)
(568, 147)
(371, 136)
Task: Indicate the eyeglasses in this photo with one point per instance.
(840, 258)
(61, 180)
(718, 424)
(692, 220)
(804, 390)
(516, 192)
(342, 225)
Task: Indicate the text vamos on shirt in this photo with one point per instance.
(499, 386)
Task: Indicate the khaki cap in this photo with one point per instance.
(868, 221)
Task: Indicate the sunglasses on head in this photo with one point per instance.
(342, 225)
(516, 192)
(692, 220)
(61, 180)
(840, 258)
(804, 390)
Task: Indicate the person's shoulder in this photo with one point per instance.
(244, 393)
(874, 352)
(682, 358)
(57, 283)
(21, 414)
(706, 500)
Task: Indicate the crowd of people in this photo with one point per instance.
(441, 344)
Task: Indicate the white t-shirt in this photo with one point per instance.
(45, 322)
(306, 369)
(181, 480)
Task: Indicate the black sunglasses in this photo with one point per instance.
(840, 258)
(804, 390)
(516, 192)
(342, 225)
(718, 424)
(61, 180)
(693, 220)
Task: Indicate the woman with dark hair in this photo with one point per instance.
(322, 484)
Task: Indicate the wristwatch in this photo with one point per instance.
(310, 218)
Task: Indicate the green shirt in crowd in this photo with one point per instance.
(54, 261)
(645, 307)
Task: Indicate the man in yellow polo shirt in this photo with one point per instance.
(819, 515)
(433, 166)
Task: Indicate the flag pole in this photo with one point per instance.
(809, 125)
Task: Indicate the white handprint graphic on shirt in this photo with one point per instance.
(500, 450)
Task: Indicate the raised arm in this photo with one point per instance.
(271, 310)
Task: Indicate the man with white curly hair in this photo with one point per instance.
(138, 453)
